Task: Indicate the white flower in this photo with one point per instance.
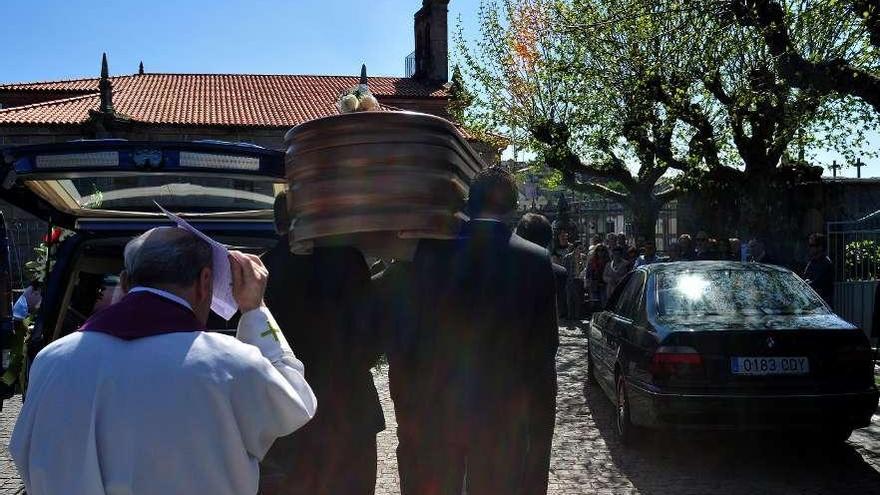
(368, 103)
(348, 103)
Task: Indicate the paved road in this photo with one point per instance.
(9, 482)
(586, 459)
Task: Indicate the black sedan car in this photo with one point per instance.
(727, 345)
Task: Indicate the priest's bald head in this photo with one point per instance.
(173, 260)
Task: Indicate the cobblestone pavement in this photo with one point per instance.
(586, 459)
(9, 482)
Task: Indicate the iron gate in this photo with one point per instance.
(854, 249)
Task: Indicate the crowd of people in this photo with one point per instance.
(588, 275)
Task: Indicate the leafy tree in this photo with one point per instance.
(861, 260)
(460, 97)
(854, 72)
(583, 103)
(618, 94)
(460, 101)
(766, 122)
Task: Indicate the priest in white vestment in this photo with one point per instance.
(142, 400)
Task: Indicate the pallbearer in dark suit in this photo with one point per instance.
(395, 317)
(542, 411)
(475, 355)
(537, 229)
(323, 301)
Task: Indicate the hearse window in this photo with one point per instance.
(92, 292)
(195, 193)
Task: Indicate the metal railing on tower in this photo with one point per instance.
(410, 62)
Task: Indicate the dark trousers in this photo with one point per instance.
(562, 302)
(575, 298)
(320, 462)
(542, 422)
(489, 460)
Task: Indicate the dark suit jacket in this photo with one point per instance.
(560, 275)
(819, 273)
(487, 319)
(321, 302)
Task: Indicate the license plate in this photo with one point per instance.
(769, 365)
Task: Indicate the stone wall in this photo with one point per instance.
(811, 207)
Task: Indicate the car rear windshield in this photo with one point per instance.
(731, 292)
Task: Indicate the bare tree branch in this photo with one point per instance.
(556, 137)
(704, 143)
(668, 195)
(572, 182)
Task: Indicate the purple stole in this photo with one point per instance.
(143, 314)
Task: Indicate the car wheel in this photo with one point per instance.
(591, 370)
(623, 426)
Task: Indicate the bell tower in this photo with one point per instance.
(432, 41)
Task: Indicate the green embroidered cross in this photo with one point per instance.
(271, 330)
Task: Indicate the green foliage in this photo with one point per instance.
(519, 68)
(36, 268)
(43, 253)
(538, 80)
(861, 260)
(552, 181)
(799, 34)
(547, 179)
(96, 199)
(460, 98)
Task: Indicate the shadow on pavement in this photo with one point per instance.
(721, 463)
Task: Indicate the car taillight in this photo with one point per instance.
(676, 361)
(854, 352)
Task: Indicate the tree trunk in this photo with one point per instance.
(644, 218)
(753, 212)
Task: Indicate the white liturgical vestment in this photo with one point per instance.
(177, 413)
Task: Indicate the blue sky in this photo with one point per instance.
(62, 39)
(47, 39)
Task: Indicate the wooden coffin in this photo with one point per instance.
(376, 180)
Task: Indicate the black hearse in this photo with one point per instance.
(103, 192)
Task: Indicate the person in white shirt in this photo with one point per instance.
(615, 269)
(143, 400)
(29, 301)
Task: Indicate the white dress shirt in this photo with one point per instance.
(178, 413)
(162, 293)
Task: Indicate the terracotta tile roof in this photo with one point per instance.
(73, 110)
(207, 99)
(72, 85)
